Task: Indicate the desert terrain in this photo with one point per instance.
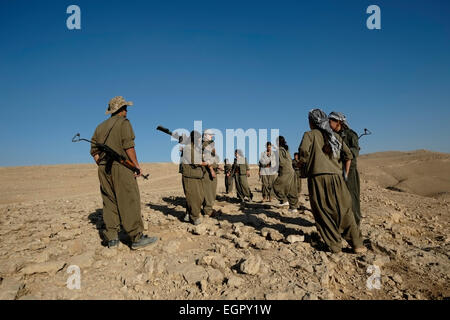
(51, 216)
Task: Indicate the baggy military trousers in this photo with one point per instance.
(121, 202)
(353, 185)
(242, 188)
(331, 205)
(285, 188)
(193, 190)
(267, 184)
(229, 181)
(210, 190)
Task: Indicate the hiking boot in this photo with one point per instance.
(143, 241)
(186, 218)
(360, 250)
(197, 221)
(293, 210)
(112, 243)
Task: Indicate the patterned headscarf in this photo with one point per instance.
(339, 116)
(320, 120)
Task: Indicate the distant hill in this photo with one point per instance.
(421, 172)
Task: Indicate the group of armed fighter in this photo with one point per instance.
(326, 157)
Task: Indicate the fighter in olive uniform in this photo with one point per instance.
(228, 178)
(241, 170)
(295, 165)
(267, 171)
(192, 168)
(321, 152)
(285, 186)
(338, 123)
(210, 178)
(118, 186)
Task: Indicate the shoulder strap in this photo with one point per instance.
(109, 131)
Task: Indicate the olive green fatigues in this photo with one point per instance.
(267, 185)
(353, 183)
(268, 174)
(240, 178)
(330, 199)
(297, 175)
(209, 183)
(192, 179)
(285, 185)
(118, 186)
(228, 179)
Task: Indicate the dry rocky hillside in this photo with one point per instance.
(50, 217)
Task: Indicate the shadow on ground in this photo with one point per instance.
(96, 218)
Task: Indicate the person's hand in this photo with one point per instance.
(97, 159)
(213, 173)
(248, 174)
(140, 173)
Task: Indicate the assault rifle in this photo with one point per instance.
(184, 140)
(181, 139)
(366, 133)
(112, 155)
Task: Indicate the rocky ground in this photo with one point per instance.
(50, 219)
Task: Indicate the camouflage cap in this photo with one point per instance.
(116, 103)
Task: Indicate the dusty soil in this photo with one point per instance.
(50, 217)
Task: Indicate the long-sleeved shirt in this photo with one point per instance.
(285, 162)
(350, 138)
(314, 160)
(268, 163)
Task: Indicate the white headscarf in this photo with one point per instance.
(320, 120)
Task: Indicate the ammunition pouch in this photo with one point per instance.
(192, 171)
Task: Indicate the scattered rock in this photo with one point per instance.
(215, 276)
(396, 217)
(274, 235)
(50, 267)
(241, 244)
(203, 285)
(265, 232)
(234, 281)
(250, 265)
(295, 238)
(195, 274)
(215, 261)
(397, 278)
(199, 230)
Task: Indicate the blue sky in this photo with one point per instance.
(231, 64)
